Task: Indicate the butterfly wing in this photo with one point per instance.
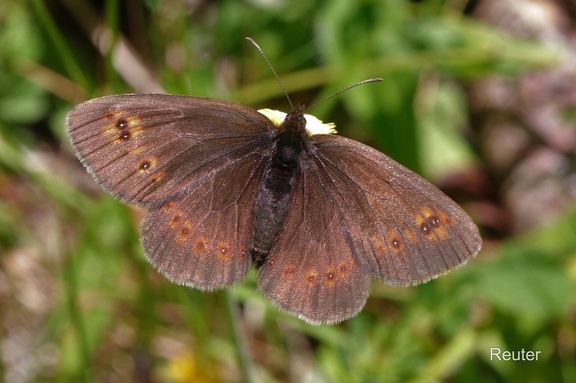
(202, 240)
(356, 213)
(195, 163)
(312, 271)
(146, 148)
(403, 228)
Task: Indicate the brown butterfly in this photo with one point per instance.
(228, 187)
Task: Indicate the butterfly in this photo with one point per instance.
(228, 187)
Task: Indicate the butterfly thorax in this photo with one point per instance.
(273, 200)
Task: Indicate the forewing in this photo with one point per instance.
(403, 228)
(201, 240)
(312, 271)
(147, 148)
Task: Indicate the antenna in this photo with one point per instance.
(272, 69)
(376, 79)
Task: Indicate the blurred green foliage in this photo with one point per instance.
(111, 317)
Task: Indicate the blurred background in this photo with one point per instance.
(478, 97)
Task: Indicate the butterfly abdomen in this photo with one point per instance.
(273, 201)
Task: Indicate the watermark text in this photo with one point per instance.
(496, 353)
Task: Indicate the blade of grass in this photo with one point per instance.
(244, 359)
(60, 44)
